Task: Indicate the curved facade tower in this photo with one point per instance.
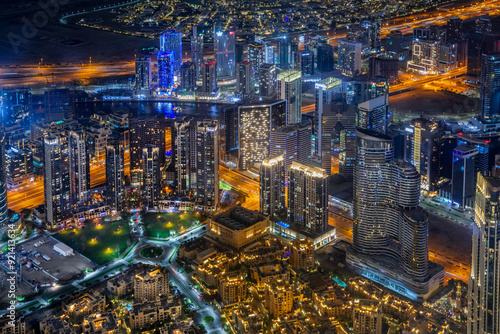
(371, 185)
(415, 243)
(390, 230)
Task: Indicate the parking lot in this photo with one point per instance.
(54, 268)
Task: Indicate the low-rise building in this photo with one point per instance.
(84, 303)
(302, 254)
(144, 314)
(232, 288)
(270, 273)
(278, 298)
(102, 323)
(56, 325)
(237, 227)
(367, 317)
(151, 285)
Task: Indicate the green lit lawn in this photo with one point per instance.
(99, 243)
(163, 225)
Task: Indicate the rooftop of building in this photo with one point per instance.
(371, 135)
(238, 218)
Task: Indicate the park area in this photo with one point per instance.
(165, 225)
(100, 243)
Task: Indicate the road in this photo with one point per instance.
(243, 184)
(41, 75)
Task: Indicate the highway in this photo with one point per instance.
(243, 184)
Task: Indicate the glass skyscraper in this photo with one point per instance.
(165, 70)
(171, 41)
(225, 51)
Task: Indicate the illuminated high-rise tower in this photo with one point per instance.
(197, 50)
(225, 51)
(115, 175)
(171, 41)
(272, 186)
(143, 73)
(390, 230)
(151, 185)
(484, 279)
(308, 197)
(165, 66)
(290, 88)
(489, 106)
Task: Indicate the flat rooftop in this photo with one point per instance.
(238, 218)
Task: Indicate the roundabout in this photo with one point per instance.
(151, 252)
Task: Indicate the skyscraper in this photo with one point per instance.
(484, 280)
(171, 41)
(306, 61)
(188, 76)
(245, 78)
(308, 197)
(290, 88)
(373, 32)
(285, 55)
(389, 228)
(256, 56)
(349, 57)
(197, 164)
(489, 104)
(151, 168)
(363, 89)
(325, 91)
(272, 186)
(143, 73)
(165, 70)
(325, 58)
(293, 142)
(425, 56)
(3, 180)
(79, 167)
(267, 80)
(454, 29)
(209, 77)
(144, 130)
(225, 51)
(464, 173)
(373, 114)
(56, 179)
(197, 50)
(115, 175)
(255, 123)
(58, 105)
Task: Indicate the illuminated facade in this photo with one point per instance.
(256, 121)
(272, 186)
(373, 114)
(151, 169)
(244, 78)
(237, 227)
(279, 298)
(425, 56)
(308, 197)
(79, 167)
(152, 285)
(171, 41)
(197, 50)
(188, 76)
(56, 178)
(489, 107)
(367, 317)
(390, 230)
(302, 254)
(293, 142)
(225, 51)
(464, 174)
(267, 80)
(256, 56)
(373, 32)
(484, 280)
(165, 66)
(196, 161)
(349, 59)
(208, 77)
(143, 73)
(290, 88)
(232, 288)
